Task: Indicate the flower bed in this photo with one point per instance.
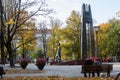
(40, 63)
(23, 63)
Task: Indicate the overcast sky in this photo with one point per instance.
(102, 10)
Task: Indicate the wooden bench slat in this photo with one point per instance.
(97, 68)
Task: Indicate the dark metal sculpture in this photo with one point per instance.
(87, 33)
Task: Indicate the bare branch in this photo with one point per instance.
(26, 42)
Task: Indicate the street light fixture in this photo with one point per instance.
(96, 28)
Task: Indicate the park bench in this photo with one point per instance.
(1, 71)
(103, 68)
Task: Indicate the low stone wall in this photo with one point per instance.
(72, 62)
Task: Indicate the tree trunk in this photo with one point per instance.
(2, 50)
(44, 46)
(9, 49)
(1, 37)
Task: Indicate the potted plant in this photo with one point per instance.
(40, 63)
(23, 63)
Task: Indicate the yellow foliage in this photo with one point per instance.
(10, 21)
(104, 26)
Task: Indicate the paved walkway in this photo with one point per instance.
(64, 71)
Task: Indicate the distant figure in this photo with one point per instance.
(47, 59)
(88, 61)
(35, 61)
(50, 60)
(96, 62)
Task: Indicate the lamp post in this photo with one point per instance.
(96, 28)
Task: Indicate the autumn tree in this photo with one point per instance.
(102, 37)
(68, 36)
(43, 29)
(37, 54)
(108, 37)
(71, 35)
(54, 38)
(12, 12)
(26, 38)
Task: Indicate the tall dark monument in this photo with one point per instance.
(87, 33)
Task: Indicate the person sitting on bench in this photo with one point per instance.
(96, 62)
(88, 61)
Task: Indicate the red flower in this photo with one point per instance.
(40, 61)
(23, 63)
